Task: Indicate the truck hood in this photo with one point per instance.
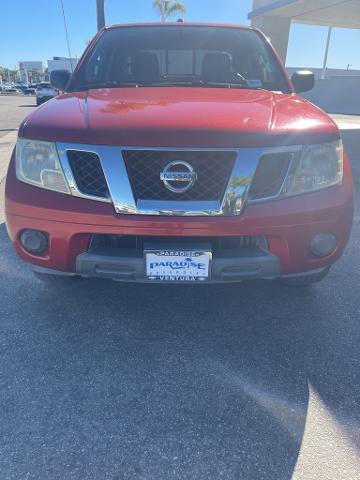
(180, 117)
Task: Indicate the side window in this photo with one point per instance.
(260, 65)
(268, 73)
(96, 68)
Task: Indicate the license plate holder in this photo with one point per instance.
(181, 263)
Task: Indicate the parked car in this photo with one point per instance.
(44, 92)
(30, 90)
(10, 89)
(180, 153)
(21, 88)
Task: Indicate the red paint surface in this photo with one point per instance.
(180, 117)
(288, 224)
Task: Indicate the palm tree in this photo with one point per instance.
(100, 13)
(166, 8)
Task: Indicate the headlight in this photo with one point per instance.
(320, 166)
(38, 163)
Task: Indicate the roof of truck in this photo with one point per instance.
(177, 24)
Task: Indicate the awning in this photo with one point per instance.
(336, 13)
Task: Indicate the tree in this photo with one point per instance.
(34, 76)
(167, 8)
(100, 13)
(7, 75)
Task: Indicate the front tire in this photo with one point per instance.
(305, 280)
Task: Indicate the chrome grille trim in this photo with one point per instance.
(294, 155)
(121, 194)
(88, 173)
(62, 149)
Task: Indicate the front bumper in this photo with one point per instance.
(44, 98)
(288, 225)
(132, 269)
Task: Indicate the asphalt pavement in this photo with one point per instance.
(13, 109)
(246, 382)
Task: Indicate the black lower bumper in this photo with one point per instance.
(132, 268)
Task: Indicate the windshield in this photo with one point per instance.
(181, 55)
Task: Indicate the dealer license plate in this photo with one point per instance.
(177, 265)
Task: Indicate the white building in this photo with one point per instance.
(27, 66)
(62, 63)
(335, 91)
(274, 17)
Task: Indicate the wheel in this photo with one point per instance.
(305, 280)
(57, 279)
(38, 102)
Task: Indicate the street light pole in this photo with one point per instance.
(100, 14)
(323, 73)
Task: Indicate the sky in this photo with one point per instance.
(34, 30)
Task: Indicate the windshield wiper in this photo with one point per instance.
(225, 85)
(183, 83)
(108, 84)
(197, 83)
(200, 83)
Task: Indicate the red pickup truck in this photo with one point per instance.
(180, 153)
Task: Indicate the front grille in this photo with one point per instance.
(88, 173)
(135, 244)
(270, 175)
(213, 172)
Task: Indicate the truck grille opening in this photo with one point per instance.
(221, 246)
(88, 173)
(213, 171)
(270, 175)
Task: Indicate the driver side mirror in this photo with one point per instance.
(303, 81)
(59, 79)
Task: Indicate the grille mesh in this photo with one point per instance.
(270, 175)
(88, 173)
(144, 167)
(137, 243)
